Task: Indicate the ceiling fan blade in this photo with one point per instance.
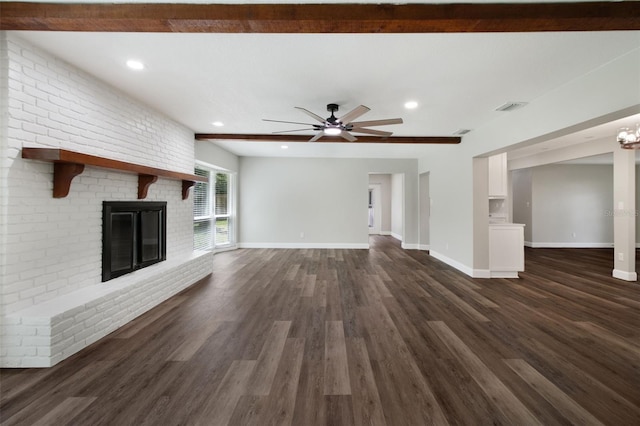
(316, 137)
(348, 136)
(290, 122)
(377, 122)
(353, 114)
(310, 114)
(290, 131)
(371, 131)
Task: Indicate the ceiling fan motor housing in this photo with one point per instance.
(333, 108)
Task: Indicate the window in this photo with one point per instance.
(213, 210)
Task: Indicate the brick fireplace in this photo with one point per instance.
(53, 301)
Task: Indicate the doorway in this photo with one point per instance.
(425, 211)
(375, 209)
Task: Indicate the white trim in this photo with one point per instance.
(481, 273)
(408, 246)
(396, 236)
(567, 245)
(454, 263)
(473, 273)
(624, 275)
(423, 247)
(305, 245)
(210, 166)
(226, 248)
(385, 232)
(504, 274)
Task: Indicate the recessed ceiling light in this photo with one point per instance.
(218, 123)
(411, 105)
(135, 65)
(284, 147)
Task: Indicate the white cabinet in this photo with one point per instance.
(506, 250)
(498, 176)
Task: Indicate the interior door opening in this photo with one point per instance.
(374, 210)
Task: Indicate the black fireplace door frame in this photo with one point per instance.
(135, 255)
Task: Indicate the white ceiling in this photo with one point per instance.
(606, 131)
(239, 79)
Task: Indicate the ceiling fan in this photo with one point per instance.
(343, 126)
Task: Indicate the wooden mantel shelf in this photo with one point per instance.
(69, 164)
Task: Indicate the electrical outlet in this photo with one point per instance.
(302, 235)
(573, 234)
(621, 257)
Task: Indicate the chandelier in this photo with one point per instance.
(629, 138)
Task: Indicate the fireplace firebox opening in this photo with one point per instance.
(133, 236)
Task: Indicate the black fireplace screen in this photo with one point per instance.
(133, 236)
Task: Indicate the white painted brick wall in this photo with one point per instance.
(45, 334)
(52, 247)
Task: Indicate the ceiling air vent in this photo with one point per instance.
(461, 132)
(510, 106)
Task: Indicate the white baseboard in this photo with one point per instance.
(624, 275)
(423, 247)
(223, 249)
(482, 273)
(305, 245)
(407, 246)
(504, 274)
(567, 245)
(385, 232)
(454, 263)
(473, 273)
(396, 236)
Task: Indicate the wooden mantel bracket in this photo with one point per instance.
(186, 186)
(63, 174)
(144, 182)
(69, 164)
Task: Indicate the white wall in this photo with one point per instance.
(384, 180)
(598, 93)
(522, 211)
(572, 199)
(397, 206)
(215, 156)
(52, 247)
(326, 199)
(556, 186)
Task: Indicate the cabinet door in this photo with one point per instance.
(498, 175)
(506, 248)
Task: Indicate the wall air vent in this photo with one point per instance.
(510, 106)
(461, 132)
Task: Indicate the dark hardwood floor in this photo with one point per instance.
(364, 337)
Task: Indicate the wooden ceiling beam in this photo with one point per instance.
(305, 138)
(321, 18)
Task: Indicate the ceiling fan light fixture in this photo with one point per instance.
(332, 131)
